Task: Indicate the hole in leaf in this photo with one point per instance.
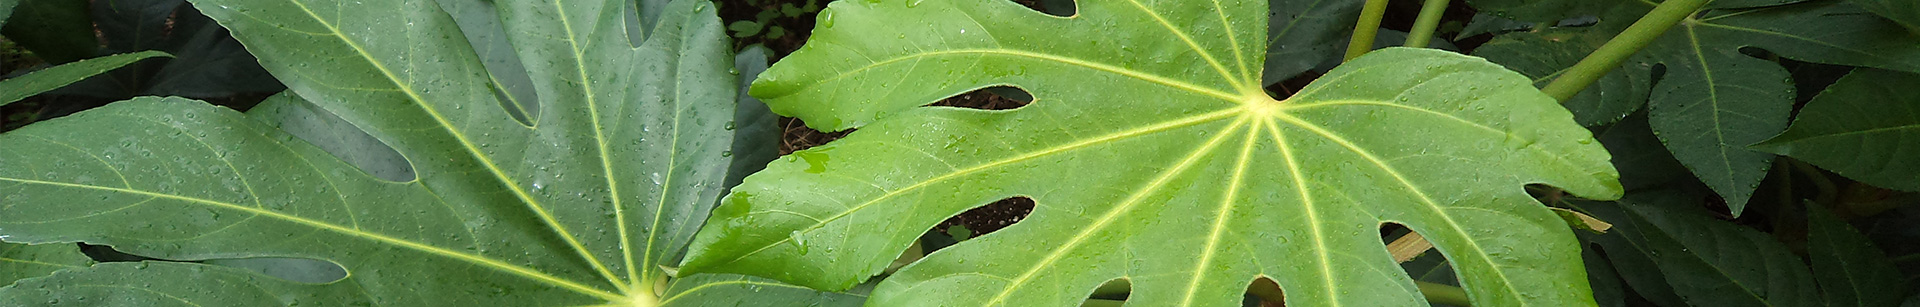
(1062, 8)
(796, 136)
(1112, 290)
(987, 219)
(1285, 88)
(991, 98)
(301, 270)
(1266, 291)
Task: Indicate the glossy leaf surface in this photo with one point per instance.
(583, 207)
(1865, 127)
(1159, 160)
(1713, 100)
(21, 261)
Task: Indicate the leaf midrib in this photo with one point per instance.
(1173, 124)
(475, 259)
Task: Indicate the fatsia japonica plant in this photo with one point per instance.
(458, 152)
(1153, 155)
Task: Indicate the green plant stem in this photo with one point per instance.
(1622, 46)
(1368, 27)
(1423, 27)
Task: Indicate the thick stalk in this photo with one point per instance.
(1622, 46)
(1364, 31)
(1423, 27)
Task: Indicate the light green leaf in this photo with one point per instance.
(1154, 157)
(1713, 100)
(1707, 262)
(1864, 127)
(585, 207)
(1850, 270)
(21, 261)
(37, 82)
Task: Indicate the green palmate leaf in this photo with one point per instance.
(1301, 34)
(407, 167)
(1712, 99)
(1864, 127)
(1153, 155)
(21, 261)
(1706, 262)
(12, 90)
(1849, 269)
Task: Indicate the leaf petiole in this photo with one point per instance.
(1622, 46)
(1423, 27)
(1364, 31)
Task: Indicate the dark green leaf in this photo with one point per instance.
(1301, 34)
(1707, 262)
(1643, 162)
(1849, 269)
(57, 31)
(37, 82)
(1713, 100)
(1905, 12)
(1545, 54)
(1864, 127)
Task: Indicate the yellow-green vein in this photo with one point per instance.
(475, 259)
(606, 162)
(1122, 208)
(485, 161)
(1451, 224)
(1309, 209)
(1182, 34)
(1221, 216)
(1183, 122)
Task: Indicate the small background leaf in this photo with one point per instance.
(1865, 127)
(37, 82)
(1850, 270)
